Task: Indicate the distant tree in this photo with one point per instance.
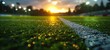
(102, 7)
(69, 11)
(77, 9)
(17, 7)
(42, 12)
(2, 7)
(17, 3)
(96, 7)
(30, 7)
(108, 5)
(84, 8)
(34, 12)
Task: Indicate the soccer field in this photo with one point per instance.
(100, 23)
(37, 33)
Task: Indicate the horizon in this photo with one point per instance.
(54, 6)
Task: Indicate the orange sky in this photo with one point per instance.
(56, 6)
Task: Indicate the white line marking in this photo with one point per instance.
(93, 38)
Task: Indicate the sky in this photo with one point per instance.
(46, 4)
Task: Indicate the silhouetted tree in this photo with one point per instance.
(17, 3)
(29, 9)
(77, 9)
(69, 11)
(108, 5)
(96, 7)
(2, 6)
(83, 8)
(102, 7)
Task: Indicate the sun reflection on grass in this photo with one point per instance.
(52, 20)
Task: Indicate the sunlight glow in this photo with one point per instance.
(52, 20)
(49, 0)
(54, 9)
(54, 2)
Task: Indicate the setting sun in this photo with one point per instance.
(54, 9)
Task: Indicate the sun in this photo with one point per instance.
(54, 9)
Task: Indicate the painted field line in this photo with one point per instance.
(94, 39)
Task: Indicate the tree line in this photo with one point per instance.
(84, 8)
(17, 9)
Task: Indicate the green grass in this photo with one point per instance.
(23, 17)
(100, 23)
(47, 34)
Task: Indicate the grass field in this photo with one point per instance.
(37, 33)
(100, 23)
